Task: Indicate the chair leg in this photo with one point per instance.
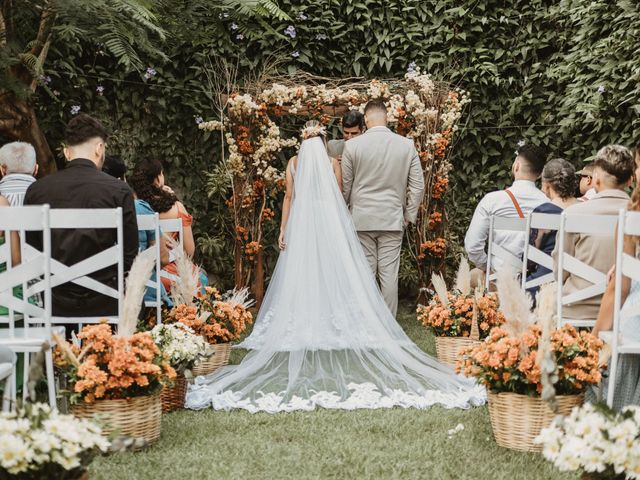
(9, 385)
(51, 381)
(14, 389)
(25, 375)
(611, 387)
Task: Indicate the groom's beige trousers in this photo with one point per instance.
(382, 249)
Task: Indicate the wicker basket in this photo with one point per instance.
(137, 417)
(517, 419)
(448, 348)
(219, 359)
(173, 397)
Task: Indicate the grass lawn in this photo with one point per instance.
(393, 443)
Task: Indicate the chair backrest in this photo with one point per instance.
(591, 225)
(94, 218)
(539, 221)
(496, 253)
(152, 223)
(32, 273)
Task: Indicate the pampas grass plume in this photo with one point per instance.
(134, 294)
(463, 278)
(515, 303)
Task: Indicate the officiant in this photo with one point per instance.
(352, 126)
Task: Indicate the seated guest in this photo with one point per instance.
(516, 201)
(586, 182)
(82, 185)
(559, 185)
(628, 374)
(352, 126)
(115, 166)
(147, 181)
(19, 168)
(613, 172)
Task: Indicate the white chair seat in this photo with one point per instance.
(36, 336)
(582, 323)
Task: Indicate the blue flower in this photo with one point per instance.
(100, 89)
(234, 26)
(601, 89)
(46, 80)
(291, 31)
(412, 67)
(75, 109)
(295, 54)
(199, 120)
(150, 73)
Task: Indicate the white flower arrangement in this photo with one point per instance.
(596, 440)
(181, 345)
(36, 442)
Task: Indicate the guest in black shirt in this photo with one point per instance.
(82, 184)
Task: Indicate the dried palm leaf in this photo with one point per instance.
(140, 272)
(463, 278)
(239, 297)
(515, 303)
(186, 286)
(440, 287)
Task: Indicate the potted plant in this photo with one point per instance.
(219, 319)
(596, 440)
(459, 318)
(183, 349)
(119, 376)
(523, 364)
(37, 443)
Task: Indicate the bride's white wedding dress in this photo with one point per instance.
(324, 336)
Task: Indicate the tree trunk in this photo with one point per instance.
(18, 121)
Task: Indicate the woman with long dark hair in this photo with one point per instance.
(147, 181)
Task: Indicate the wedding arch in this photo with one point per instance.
(419, 108)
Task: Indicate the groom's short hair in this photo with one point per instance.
(376, 106)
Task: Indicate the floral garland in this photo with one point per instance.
(418, 108)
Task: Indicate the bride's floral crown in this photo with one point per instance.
(314, 131)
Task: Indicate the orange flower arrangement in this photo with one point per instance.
(434, 248)
(435, 219)
(252, 249)
(505, 363)
(110, 367)
(439, 187)
(216, 320)
(456, 319)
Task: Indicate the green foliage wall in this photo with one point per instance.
(534, 69)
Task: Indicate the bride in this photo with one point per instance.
(324, 336)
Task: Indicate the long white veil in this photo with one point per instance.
(324, 336)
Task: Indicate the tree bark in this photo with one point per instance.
(19, 122)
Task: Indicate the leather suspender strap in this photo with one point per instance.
(515, 202)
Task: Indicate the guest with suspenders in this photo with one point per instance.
(516, 201)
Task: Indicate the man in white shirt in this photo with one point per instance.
(587, 189)
(19, 168)
(516, 201)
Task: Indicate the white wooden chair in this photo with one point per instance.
(152, 223)
(33, 274)
(169, 226)
(108, 219)
(628, 266)
(597, 225)
(539, 221)
(496, 253)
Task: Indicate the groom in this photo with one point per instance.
(383, 184)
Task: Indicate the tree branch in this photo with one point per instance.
(3, 28)
(47, 17)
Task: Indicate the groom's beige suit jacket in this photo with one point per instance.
(382, 179)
